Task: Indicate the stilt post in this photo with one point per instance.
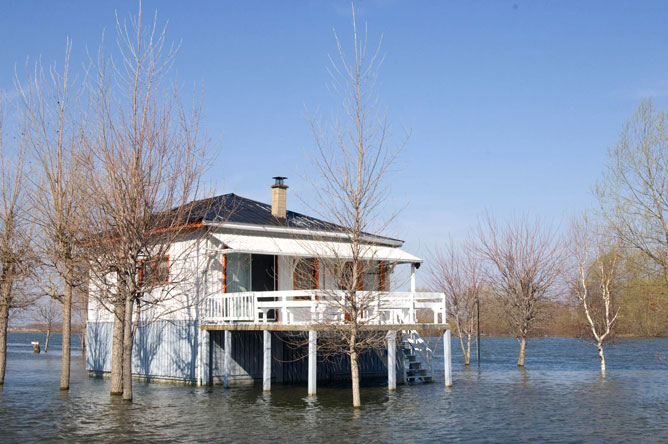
(312, 361)
(447, 357)
(391, 360)
(204, 358)
(266, 374)
(227, 361)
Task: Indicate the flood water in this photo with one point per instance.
(560, 397)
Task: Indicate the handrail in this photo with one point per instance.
(420, 348)
(314, 306)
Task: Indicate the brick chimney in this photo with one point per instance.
(278, 197)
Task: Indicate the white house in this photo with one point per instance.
(259, 273)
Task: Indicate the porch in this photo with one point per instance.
(401, 315)
(306, 309)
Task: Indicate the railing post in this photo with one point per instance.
(313, 310)
(391, 360)
(445, 309)
(284, 311)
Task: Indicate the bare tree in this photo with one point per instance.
(457, 272)
(55, 128)
(593, 281)
(525, 260)
(351, 163)
(147, 162)
(46, 315)
(16, 258)
(633, 193)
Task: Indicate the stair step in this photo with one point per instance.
(411, 358)
(415, 365)
(428, 379)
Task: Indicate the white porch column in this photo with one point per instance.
(266, 374)
(391, 360)
(412, 306)
(312, 361)
(227, 359)
(447, 359)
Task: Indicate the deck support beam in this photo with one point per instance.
(266, 373)
(392, 360)
(227, 358)
(447, 358)
(312, 361)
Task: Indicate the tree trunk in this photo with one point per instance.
(523, 343)
(467, 355)
(67, 330)
(127, 349)
(602, 357)
(461, 344)
(46, 344)
(117, 351)
(4, 320)
(355, 375)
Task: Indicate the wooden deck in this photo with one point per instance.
(427, 328)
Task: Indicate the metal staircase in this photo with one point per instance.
(418, 357)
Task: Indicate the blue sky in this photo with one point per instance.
(512, 104)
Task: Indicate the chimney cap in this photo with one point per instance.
(279, 181)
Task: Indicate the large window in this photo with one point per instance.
(306, 274)
(373, 276)
(237, 273)
(154, 271)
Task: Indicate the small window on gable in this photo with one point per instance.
(154, 271)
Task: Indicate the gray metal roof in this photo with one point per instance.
(233, 208)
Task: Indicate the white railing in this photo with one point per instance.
(322, 306)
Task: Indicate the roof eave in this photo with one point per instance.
(293, 230)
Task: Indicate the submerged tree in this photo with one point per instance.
(594, 280)
(146, 162)
(457, 272)
(46, 316)
(525, 260)
(351, 164)
(55, 130)
(16, 257)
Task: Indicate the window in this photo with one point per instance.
(238, 273)
(345, 276)
(154, 271)
(372, 276)
(306, 274)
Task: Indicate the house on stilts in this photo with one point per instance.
(261, 278)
